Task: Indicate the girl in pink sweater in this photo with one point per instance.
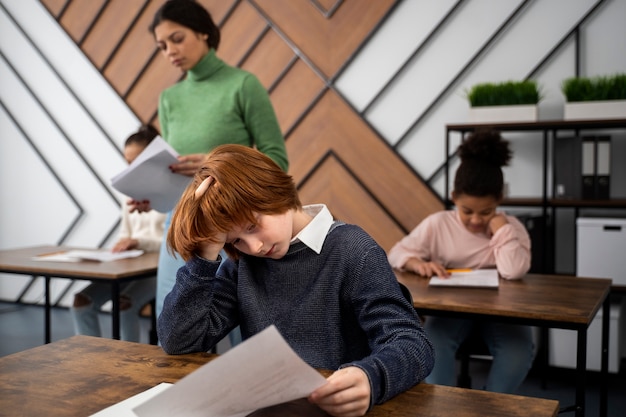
(475, 235)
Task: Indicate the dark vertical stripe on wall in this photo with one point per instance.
(289, 42)
(93, 23)
(462, 72)
(415, 53)
(63, 10)
(283, 73)
(345, 65)
(306, 111)
(117, 47)
(256, 43)
(228, 14)
(575, 33)
(330, 154)
(328, 13)
(58, 126)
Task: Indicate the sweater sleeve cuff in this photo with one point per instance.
(503, 235)
(203, 268)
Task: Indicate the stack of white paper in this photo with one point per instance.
(258, 373)
(480, 278)
(148, 177)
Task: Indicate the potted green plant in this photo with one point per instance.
(601, 97)
(506, 101)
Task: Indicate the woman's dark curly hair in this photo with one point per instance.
(483, 154)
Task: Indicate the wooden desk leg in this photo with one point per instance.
(606, 316)
(115, 309)
(581, 369)
(47, 310)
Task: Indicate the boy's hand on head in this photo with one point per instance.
(346, 394)
(210, 250)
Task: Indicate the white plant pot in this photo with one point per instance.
(595, 110)
(499, 114)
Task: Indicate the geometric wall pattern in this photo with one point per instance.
(297, 49)
(341, 153)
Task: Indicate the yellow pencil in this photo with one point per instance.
(451, 271)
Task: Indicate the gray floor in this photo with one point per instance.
(21, 327)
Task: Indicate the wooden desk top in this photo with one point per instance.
(567, 300)
(81, 375)
(20, 261)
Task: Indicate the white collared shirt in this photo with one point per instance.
(314, 233)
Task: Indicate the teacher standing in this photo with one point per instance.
(214, 104)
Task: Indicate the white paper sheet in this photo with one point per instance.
(482, 278)
(101, 255)
(125, 408)
(260, 372)
(148, 177)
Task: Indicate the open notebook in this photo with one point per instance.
(475, 278)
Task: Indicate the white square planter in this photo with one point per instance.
(595, 110)
(503, 114)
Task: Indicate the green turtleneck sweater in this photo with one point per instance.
(218, 104)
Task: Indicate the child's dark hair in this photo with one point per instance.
(190, 14)
(143, 136)
(483, 154)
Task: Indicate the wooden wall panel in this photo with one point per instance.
(241, 31)
(269, 59)
(79, 16)
(335, 156)
(347, 200)
(109, 30)
(295, 93)
(134, 53)
(332, 125)
(54, 6)
(143, 98)
(329, 42)
(218, 9)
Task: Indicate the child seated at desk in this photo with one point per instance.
(475, 235)
(137, 231)
(324, 284)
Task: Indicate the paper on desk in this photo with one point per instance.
(148, 177)
(260, 372)
(481, 278)
(77, 255)
(125, 408)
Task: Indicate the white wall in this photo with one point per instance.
(63, 128)
(58, 152)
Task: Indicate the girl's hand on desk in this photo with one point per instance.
(125, 244)
(426, 269)
(346, 394)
